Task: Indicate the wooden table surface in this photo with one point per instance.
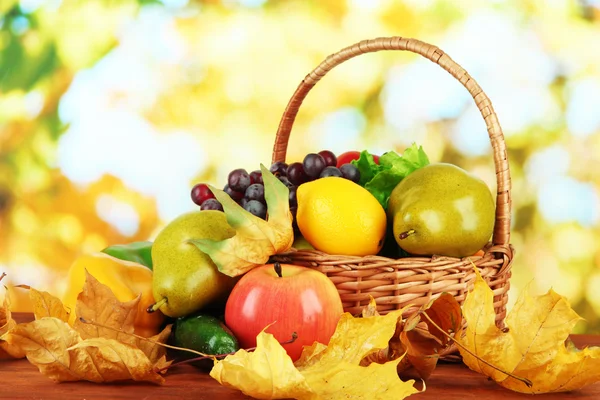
(21, 380)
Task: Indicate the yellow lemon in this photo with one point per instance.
(338, 216)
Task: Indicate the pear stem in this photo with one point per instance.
(526, 381)
(156, 305)
(278, 271)
(406, 234)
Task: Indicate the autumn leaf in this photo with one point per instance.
(322, 372)
(112, 319)
(255, 239)
(418, 339)
(7, 324)
(60, 354)
(534, 346)
(46, 305)
(152, 348)
(100, 347)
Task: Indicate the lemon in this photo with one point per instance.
(338, 216)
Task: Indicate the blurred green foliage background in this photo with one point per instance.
(110, 111)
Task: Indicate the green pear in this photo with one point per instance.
(186, 279)
(441, 209)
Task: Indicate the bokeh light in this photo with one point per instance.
(111, 111)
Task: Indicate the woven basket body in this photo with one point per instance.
(396, 283)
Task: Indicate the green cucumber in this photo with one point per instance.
(203, 333)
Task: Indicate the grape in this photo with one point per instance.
(256, 177)
(201, 192)
(238, 180)
(295, 173)
(211, 204)
(313, 165)
(329, 157)
(351, 172)
(286, 182)
(256, 191)
(330, 171)
(234, 194)
(279, 168)
(256, 208)
(293, 198)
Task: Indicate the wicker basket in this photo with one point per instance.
(395, 283)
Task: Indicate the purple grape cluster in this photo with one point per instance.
(247, 189)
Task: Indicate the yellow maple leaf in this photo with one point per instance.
(112, 319)
(322, 372)
(101, 349)
(255, 239)
(152, 348)
(533, 346)
(46, 305)
(60, 354)
(7, 324)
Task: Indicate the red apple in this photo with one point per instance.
(299, 299)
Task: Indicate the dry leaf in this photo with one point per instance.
(151, 348)
(46, 305)
(87, 351)
(534, 345)
(322, 372)
(255, 239)
(114, 361)
(97, 303)
(417, 339)
(7, 324)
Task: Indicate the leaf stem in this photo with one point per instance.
(191, 360)
(142, 338)
(524, 380)
(2, 276)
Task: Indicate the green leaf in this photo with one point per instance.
(381, 179)
(256, 239)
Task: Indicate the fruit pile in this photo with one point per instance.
(247, 189)
(208, 273)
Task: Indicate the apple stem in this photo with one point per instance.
(156, 305)
(406, 234)
(191, 360)
(277, 267)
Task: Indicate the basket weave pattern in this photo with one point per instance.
(395, 283)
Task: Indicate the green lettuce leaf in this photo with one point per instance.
(381, 179)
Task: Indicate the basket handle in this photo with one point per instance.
(503, 200)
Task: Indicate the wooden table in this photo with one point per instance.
(21, 380)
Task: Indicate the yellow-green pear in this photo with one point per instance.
(186, 279)
(441, 209)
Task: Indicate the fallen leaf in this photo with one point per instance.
(114, 361)
(151, 346)
(97, 303)
(7, 324)
(87, 351)
(255, 239)
(418, 340)
(46, 305)
(535, 346)
(322, 372)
